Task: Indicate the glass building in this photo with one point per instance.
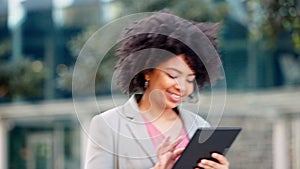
(39, 44)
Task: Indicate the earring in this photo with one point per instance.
(146, 84)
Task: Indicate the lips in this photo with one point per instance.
(174, 97)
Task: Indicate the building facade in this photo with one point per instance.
(39, 44)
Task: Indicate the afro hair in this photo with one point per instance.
(142, 45)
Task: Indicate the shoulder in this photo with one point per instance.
(103, 125)
(108, 116)
(192, 117)
(118, 113)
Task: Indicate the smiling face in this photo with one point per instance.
(170, 82)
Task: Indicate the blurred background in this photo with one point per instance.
(40, 41)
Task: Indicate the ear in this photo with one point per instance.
(147, 76)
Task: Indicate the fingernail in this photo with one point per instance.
(203, 161)
(214, 154)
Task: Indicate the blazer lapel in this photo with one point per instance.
(138, 130)
(189, 123)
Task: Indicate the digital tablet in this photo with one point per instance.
(204, 142)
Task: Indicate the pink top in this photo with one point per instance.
(157, 137)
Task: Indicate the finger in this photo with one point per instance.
(178, 152)
(175, 143)
(163, 147)
(222, 159)
(203, 166)
(166, 142)
(209, 164)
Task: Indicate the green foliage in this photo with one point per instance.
(91, 63)
(21, 78)
(4, 47)
(76, 43)
(197, 10)
(268, 19)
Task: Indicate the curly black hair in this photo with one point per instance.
(157, 38)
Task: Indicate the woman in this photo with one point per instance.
(159, 71)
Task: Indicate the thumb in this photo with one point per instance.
(178, 152)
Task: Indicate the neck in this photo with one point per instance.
(153, 110)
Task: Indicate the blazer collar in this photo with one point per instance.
(137, 128)
(189, 122)
(132, 111)
(139, 131)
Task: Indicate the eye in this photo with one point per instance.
(173, 76)
(191, 78)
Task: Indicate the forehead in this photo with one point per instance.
(177, 62)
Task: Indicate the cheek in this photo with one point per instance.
(167, 82)
(162, 82)
(190, 89)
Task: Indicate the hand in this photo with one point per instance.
(208, 164)
(167, 155)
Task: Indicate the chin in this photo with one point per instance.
(171, 105)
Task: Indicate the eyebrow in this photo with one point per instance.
(178, 71)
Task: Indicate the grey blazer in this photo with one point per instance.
(118, 138)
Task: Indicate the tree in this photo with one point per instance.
(20, 78)
(270, 18)
(197, 10)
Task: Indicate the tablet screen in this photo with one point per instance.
(204, 142)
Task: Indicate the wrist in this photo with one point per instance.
(157, 166)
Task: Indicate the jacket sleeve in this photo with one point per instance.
(100, 149)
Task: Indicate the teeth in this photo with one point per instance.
(176, 96)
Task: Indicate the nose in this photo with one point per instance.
(181, 85)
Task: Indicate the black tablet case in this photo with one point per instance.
(219, 140)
